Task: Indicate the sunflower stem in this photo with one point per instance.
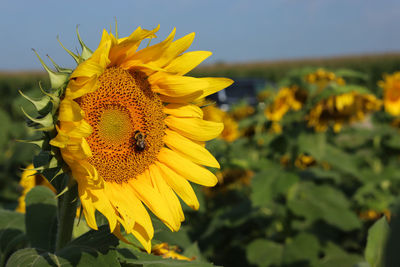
(66, 215)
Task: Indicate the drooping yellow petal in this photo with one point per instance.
(183, 110)
(123, 198)
(69, 110)
(140, 233)
(187, 168)
(168, 194)
(153, 200)
(81, 86)
(180, 185)
(95, 199)
(186, 62)
(189, 149)
(195, 128)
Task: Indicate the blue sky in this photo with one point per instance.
(234, 30)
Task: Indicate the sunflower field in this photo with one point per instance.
(309, 176)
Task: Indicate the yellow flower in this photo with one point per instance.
(372, 215)
(242, 112)
(165, 251)
(322, 78)
(342, 109)
(231, 128)
(30, 179)
(288, 98)
(391, 93)
(230, 179)
(130, 134)
(304, 161)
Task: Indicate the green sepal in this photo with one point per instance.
(39, 142)
(46, 121)
(42, 105)
(58, 68)
(86, 52)
(57, 79)
(77, 58)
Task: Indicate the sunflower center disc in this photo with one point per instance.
(122, 106)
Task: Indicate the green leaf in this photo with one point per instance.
(392, 256)
(5, 127)
(41, 217)
(322, 202)
(270, 183)
(31, 257)
(303, 248)
(12, 233)
(262, 252)
(335, 256)
(138, 258)
(377, 236)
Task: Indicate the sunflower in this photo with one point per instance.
(131, 135)
(322, 78)
(391, 94)
(342, 109)
(304, 161)
(288, 98)
(231, 127)
(29, 179)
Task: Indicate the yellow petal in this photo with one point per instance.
(180, 185)
(182, 99)
(177, 86)
(186, 62)
(195, 128)
(165, 190)
(127, 46)
(95, 199)
(149, 53)
(183, 110)
(187, 168)
(70, 111)
(175, 49)
(153, 200)
(81, 86)
(140, 233)
(123, 198)
(189, 149)
(214, 85)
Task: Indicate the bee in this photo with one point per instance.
(140, 142)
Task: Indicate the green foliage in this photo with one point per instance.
(41, 229)
(270, 208)
(377, 236)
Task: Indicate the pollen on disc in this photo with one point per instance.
(122, 105)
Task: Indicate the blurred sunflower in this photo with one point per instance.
(288, 98)
(29, 179)
(130, 134)
(166, 251)
(241, 112)
(342, 109)
(322, 78)
(304, 161)
(391, 93)
(231, 128)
